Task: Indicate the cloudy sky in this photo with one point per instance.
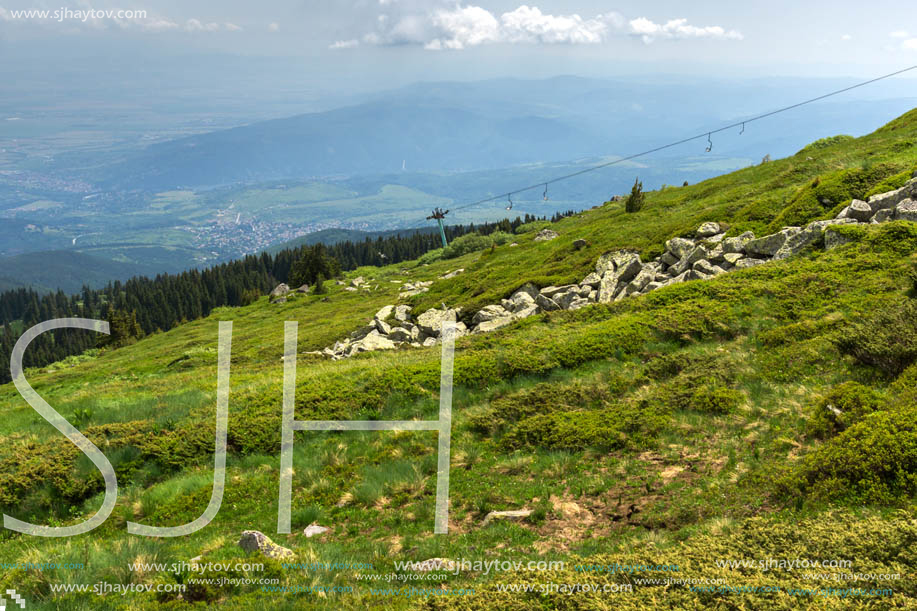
(781, 36)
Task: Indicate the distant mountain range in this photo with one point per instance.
(435, 127)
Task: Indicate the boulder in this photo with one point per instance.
(578, 303)
(715, 239)
(304, 289)
(579, 244)
(627, 266)
(882, 215)
(384, 313)
(550, 291)
(643, 278)
(400, 334)
(748, 262)
(906, 210)
(489, 312)
(521, 300)
(565, 299)
(668, 258)
(431, 321)
(279, 292)
(546, 303)
(363, 331)
(493, 324)
(737, 244)
(684, 264)
(430, 341)
(890, 199)
(529, 310)
(811, 234)
(652, 286)
(402, 313)
(707, 230)
(592, 280)
(679, 247)
(770, 244)
(705, 267)
(376, 341)
(859, 211)
(453, 274)
(605, 263)
(607, 288)
(698, 275)
(546, 234)
(528, 288)
(256, 541)
(730, 259)
(382, 326)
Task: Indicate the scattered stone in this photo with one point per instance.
(255, 541)
(403, 313)
(592, 280)
(882, 216)
(546, 303)
(812, 233)
(506, 515)
(707, 230)
(705, 267)
(431, 321)
(859, 211)
(679, 247)
(906, 210)
(833, 239)
(579, 244)
(489, 312)
(546, 234)
(304, 289)
(748, 262)
(279, 294)
(770, 244)
(737, 244)
(384, 313)
(314, 529)
(448, 275)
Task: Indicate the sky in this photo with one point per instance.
(409, 40)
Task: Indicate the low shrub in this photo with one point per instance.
(845, 405)
(885, 339)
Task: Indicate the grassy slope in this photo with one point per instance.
(669, 428)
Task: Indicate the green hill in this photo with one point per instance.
(711, 427)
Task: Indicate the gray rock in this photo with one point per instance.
(737, 244)
(314, 529)
(529, 310)
(668, 258)
(604, 263)
(592, 280)
(304, 289)
(679, 278)
(684, 264)
(280, 292)
(607, 288)
(546, 303)
(748, 262)
(400, 334)
(403, 313)
(652, 286)
(698, 275)
(890, 199)
(376, 341)
(565, 299)
(431, 321)
(430, 341)
(705, 267)
(859, 210)
(256, 541)
(627, 267)
(546, 234)
(521, 300)
(452, 274)
(579, 244)
(770, 244)
(363, 331)
(550, 291)
(906, 210)
(383, 327)
(528, 288)
(578, 303)
(640, 281)
(679, 247)
(715, 239)
(492, 325)
(811, 234)
(384, 313)
(882, 216)
(708, 229)
(730, 259)
(489, 312)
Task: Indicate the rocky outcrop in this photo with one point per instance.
(545, 235)
(621, 274)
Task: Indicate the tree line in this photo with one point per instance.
(142, 305)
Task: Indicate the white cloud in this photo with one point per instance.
(195, 25)
(5, 14)
(273, 27)
(345, 44)
(898, 34)
(846, 37)
(461, 26)
(232, 27)
(910, 44)
(677, 29)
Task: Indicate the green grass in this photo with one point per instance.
(681, 427)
